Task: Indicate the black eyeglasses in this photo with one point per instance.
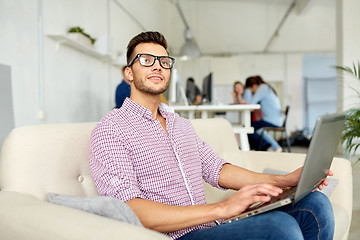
(147, 60)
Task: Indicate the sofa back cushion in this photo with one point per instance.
(48, 158)
(218, 133)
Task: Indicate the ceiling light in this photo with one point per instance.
(189, 49)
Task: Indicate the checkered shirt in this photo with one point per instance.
(131, 156)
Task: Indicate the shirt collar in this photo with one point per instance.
(137, 109)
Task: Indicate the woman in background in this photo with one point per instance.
(238, 92)
(257, 91)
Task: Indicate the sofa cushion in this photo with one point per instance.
(100, 205)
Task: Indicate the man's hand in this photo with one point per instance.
(246, 196)
(325, 181)
(292, 178)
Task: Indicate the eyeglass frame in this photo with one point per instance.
(155, 58)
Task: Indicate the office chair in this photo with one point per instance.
(282, 130)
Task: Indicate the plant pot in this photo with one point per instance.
(80, 38)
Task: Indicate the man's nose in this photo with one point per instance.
(157, 65)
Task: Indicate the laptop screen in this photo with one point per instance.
(322, 150)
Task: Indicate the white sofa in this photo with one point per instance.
(39, 159)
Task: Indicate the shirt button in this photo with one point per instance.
(80, 178)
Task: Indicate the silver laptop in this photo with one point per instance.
(318, 160)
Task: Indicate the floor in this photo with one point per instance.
(355, 222)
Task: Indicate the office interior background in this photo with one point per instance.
(292, 44)
(54, 82)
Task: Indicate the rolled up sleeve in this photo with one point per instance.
(111, 166)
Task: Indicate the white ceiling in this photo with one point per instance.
(229, 27)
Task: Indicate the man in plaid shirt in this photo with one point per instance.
(149, 157)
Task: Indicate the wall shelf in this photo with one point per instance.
(63, 39)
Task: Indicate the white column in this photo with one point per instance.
(348, 50)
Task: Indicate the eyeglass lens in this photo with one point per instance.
(148, 60)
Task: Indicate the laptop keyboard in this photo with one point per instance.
(285, 194)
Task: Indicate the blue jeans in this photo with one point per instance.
(267, 138)
(310, 218)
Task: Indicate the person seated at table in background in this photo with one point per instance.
(123, 90)
(238, 98)
(192, 92)
(238, 93)
(257, 91)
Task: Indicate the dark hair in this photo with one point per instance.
(144, 37)
(190, 79)
(250, 81)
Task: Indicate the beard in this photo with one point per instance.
(141, 86)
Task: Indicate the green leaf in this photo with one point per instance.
(80, 30)
(351, 133)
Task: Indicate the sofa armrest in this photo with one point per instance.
(342, 196)
(25, 217)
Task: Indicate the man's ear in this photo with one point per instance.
(129, 74)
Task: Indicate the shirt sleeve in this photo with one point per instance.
(111, 166)
(260, 94)
(247, 95)
(211, 163)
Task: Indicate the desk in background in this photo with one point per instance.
(242, 128)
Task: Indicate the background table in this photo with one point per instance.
(242, 128)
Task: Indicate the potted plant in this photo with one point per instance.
(351, 134)
(78, 34)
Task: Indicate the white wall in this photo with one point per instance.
(75, 86)
(18, 47)
(293, 91)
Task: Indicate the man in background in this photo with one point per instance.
(123, 90)
(192, 92)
